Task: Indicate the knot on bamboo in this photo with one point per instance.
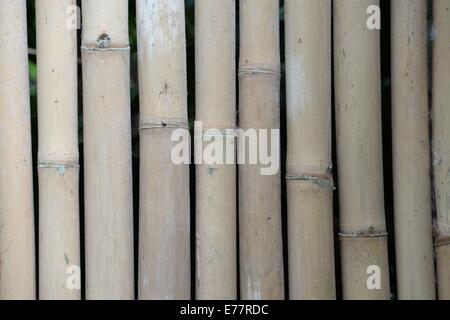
(259, 69)
(371, 232)
(441, 237)
(163, 123)
(325, 181)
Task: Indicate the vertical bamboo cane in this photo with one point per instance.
(309, 180)
(358, 116)
(164, 250)
(261, 248)
(441, 146)
(59, 240)
(410, 115)
(17, 251)
(216, 276)
(107, 140)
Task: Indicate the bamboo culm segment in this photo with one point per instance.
(58, 160)
(261, 247)
(309, 181)
(216, 274)
(107, 145)
(441, 148)
(359, 151)
(411, 165)
(17, 244)
(164, 251)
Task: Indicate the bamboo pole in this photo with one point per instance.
(358, 115)
(164, 249)
(411, 166)
(261, 248)
(58, 159)
(216, 275)
(107, 148)
(309, 180)
(441, 147)
(17, 251)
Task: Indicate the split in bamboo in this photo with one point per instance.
(164, 243)
(17, 244)
(107, 150)
(58, 160)
(261, 248)
(441, 146)
(309, 180)
(216, 275)
(359, 145)
(411, 157)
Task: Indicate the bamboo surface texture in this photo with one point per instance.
(261, 247)
(215, 45)
(107, 150)
(411, 150)
(309, 180)
(363, 237)
(441, 146)
(17, 244)
(164, 250)
(58, 159)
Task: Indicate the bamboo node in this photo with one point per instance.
(322, 182)
(369, 233)
(163, 123)
(442, 238)
(259, 69)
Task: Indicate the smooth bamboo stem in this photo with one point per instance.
(359, 145)
(107, 148)
(17, 244)
(441, 146)
(308, 179)
(411, 166)
(216, 275)
(261, 248)
(164, 249)
(58, 159)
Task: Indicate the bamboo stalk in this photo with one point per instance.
(107, 147)
(360, 170)
(17, 249)
(58, 159)
(164, 250)
(216, 275)
(411, 166)
(308, 179)
(441, 148)
(261, 248)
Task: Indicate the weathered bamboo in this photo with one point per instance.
(107, 148)
(411, 165)
(216, 275)
(17, 251)
(441, 146)
(164, 249)
(58, 160)
(261, 248)
(309, 180)
(359, 145)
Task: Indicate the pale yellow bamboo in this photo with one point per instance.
(359, 145)
(107, 147)
(411, 166)
(58, 160)
(216, 275)
(308, 180)
(17, 248)
(441, 146)
(164, 244)
(261, 248)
